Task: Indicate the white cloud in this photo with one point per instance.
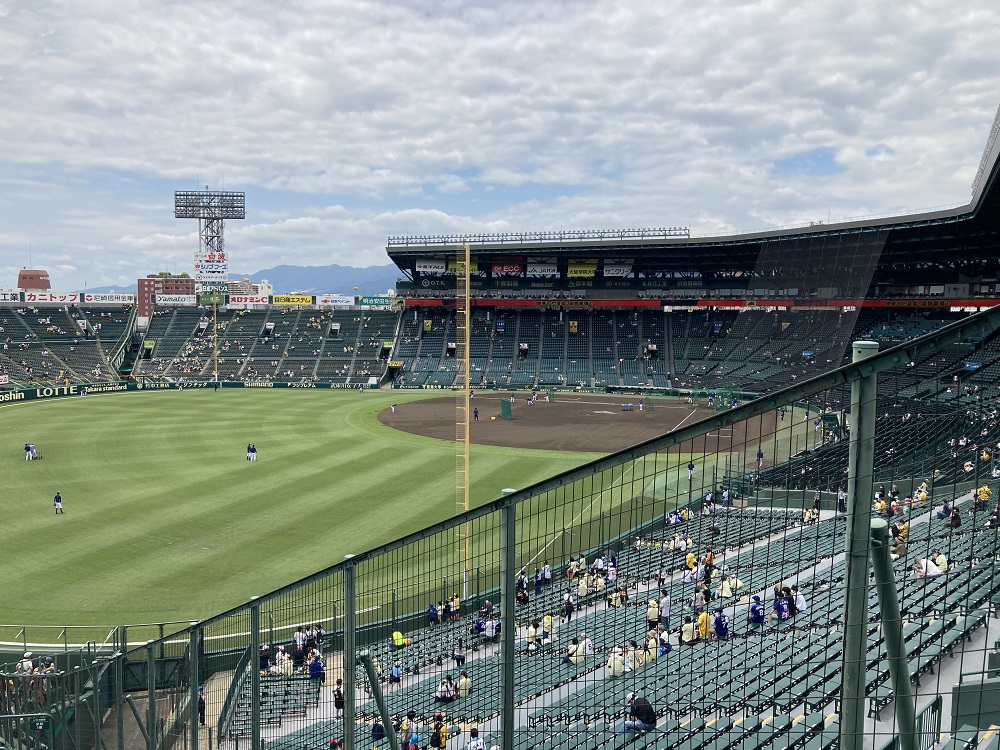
(347, 121)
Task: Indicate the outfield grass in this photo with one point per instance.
(166, 520)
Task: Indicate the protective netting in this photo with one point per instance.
(690, 592)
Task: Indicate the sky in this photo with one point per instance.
(347, 122)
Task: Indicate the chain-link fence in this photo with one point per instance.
(811, 569)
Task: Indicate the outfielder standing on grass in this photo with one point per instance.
(57, 501)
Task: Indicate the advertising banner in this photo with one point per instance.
(334, 300)
(212, 298)
(249, 300)
(179, 300)
(109, 299)
(427, 325)
(4, 378)
(10, 295)
(52, 298)
(456, 266)
(291, 299)
(574, 326)
(542, 268)
(211, 266)
(507, 267)
(582, 268)
(617, 269)
(377, 303)
(210, 272)
(430, 266)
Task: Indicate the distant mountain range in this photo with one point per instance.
(332, 279)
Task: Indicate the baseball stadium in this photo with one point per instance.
(561, 490)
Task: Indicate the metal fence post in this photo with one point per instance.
(193, 682)
(350, 655)
(120, 698)
(508, 633)
(376, 691)
(860, 479)
(254, 672)
(150, 696)
(892, 630)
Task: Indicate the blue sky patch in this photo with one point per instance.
(817, 162)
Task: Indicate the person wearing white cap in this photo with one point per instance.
(25, 666)
(586, 645)
(643, 718)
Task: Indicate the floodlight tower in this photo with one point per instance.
(211, 208)
(211, 263)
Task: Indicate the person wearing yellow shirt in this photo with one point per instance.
(705, 626)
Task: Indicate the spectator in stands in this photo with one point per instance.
(475, 741)
(432, 615)
(940, 559)
(945, 511)
(780, 609)
(568, 606)
(926, 569)
(729, 586)
(458, 653)
(755, 615)
(652, 614)
(310, 638)
(547, 627)
(799, 601)
(446, 691)
(642, 717)
(26, 665)
(720, 624)
(983, 495)
(396, 675)
(705, 631)
(464, 687)
(689, 632)
(664, 609)
(573, 654)
(317, 670)
(491, 630)
(652, 645)
(954, 520)
(900, 531)
(299, 638)
(616, 663)
(264, 658)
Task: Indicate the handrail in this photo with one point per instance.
(232, 696)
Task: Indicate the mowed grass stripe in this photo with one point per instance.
(166, 520)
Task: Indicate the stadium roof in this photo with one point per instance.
(949, 244)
